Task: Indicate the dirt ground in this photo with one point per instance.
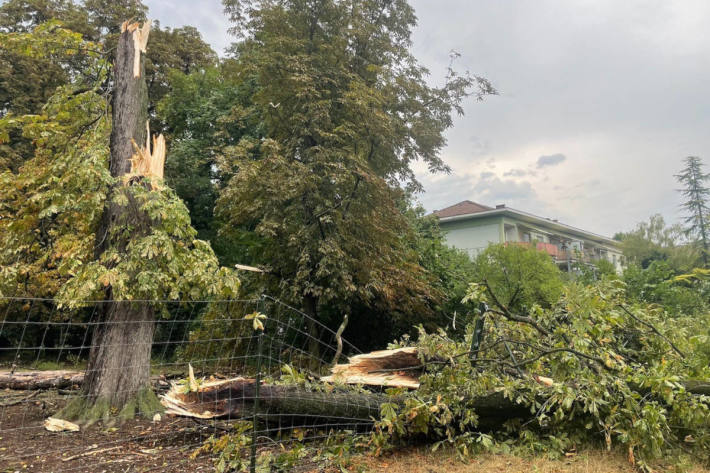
(135, 446)
(144, 446)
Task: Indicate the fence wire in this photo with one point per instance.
(256, 366)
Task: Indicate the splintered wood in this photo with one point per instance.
(206, 401)
(390, 368)
(147, 163)
(140, 42)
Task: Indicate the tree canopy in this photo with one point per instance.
(346, 110)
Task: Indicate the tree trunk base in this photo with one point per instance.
(87, 411)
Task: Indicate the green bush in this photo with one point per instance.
(657, 284)
(519, 277)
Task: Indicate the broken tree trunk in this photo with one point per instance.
(234, 398)
(390, 368)
(119, 361)
(59, 379)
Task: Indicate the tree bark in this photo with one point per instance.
(119, 361)
(235, 398)
(310, 307)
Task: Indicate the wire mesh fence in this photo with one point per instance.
(256, 365)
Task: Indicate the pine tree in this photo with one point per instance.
(697, 193)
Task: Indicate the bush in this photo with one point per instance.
(657, 284)
(519, 277)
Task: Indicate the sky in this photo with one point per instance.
(599, 101)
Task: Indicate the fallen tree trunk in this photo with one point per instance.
(59, 379)
(235, 398)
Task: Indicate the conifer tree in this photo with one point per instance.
(697, 194)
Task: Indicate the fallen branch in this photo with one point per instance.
(653, 329)
(20, 400)
(33, 380)
(92, 452)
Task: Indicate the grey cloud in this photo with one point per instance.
(516, 173)
(578, 76)
(505, 191)
(550, 160)
(486, 188)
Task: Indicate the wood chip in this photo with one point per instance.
(59, 425)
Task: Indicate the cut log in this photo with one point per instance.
(380, 368)
(60, 379)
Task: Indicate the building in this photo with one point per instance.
(471, 227)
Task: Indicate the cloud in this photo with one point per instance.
(516, 173)
(545, 59)
(493, 190)
(486, 188)
(550, 160)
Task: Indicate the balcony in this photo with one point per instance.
(549, 248)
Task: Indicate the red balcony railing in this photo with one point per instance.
(548, 248)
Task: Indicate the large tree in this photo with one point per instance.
(346, 111)
(79, 223)
(697, 196)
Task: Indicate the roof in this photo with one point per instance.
(466, 207)
(470, 210)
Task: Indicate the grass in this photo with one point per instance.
(421, 460)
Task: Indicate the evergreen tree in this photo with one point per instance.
(695, 190)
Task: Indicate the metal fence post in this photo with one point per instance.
(257, 386)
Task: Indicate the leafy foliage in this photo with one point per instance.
(27, 81)
(655, 241)
(660, 284)
(615, 380)
(197, 116)
(518, 276)
(51, 208)
(346, 111)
